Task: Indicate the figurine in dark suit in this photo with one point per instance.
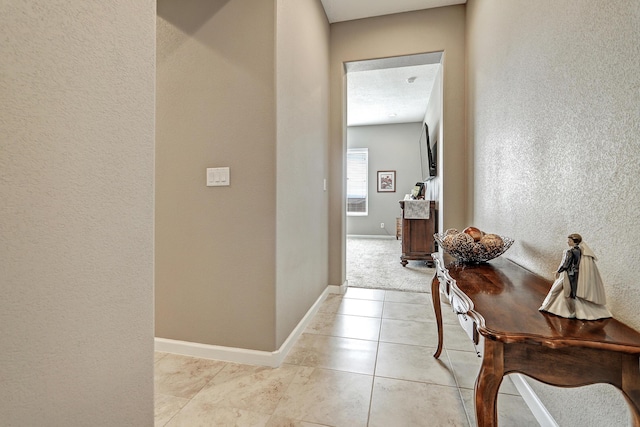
(578, 291)
(571, 262)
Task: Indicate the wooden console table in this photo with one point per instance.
(497, 304)
(417, 236)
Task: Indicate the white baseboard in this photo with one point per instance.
(271, 359)
(532, 400)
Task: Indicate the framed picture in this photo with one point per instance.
(386, 181)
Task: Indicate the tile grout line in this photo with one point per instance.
(375, 364)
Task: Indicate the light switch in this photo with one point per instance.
(217, 177)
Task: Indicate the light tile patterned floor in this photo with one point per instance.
(365, 360)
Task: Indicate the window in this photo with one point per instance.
(357, 170)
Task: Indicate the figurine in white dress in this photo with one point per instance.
(586, 298)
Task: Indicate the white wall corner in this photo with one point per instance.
(342, 289)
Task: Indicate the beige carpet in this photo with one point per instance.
(374, 263)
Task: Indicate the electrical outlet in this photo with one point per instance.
(382, 225)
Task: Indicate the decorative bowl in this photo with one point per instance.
(464, 249)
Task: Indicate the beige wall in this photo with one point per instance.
(431, 30)
(238, 266)
(554, 123)
(76, 216)
(302, 159)
(215, 246)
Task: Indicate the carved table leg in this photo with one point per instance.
(435, 297)
(488, 383)
(631, 385)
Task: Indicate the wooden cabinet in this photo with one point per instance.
(417, 235)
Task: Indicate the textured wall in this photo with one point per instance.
(302, 67)
(215, 246)
(554, 123)
(76, 213)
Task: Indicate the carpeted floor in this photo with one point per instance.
(374, 263)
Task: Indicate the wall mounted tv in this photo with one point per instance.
(428, 155)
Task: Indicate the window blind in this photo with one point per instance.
(357, 184)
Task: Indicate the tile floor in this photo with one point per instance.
(365, 360)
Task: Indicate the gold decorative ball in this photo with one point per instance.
(473, 232)
(451, 231)
(478, 250)
(447, 242)
(492, 242)
(462, 242)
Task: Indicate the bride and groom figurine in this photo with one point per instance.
(578, 291)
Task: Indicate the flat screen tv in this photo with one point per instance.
(428, 155)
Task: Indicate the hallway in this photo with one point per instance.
(365, 360)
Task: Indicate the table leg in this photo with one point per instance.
(631, 385)
(488, 384)
(435, 297)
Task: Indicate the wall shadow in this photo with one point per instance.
(189, 15)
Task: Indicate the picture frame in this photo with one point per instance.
(386, 181)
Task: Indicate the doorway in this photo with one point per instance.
(388, 101)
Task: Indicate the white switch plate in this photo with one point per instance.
(217, 177)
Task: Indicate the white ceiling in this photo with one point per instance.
(391, 90)
(378, 91)
(347, 10)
